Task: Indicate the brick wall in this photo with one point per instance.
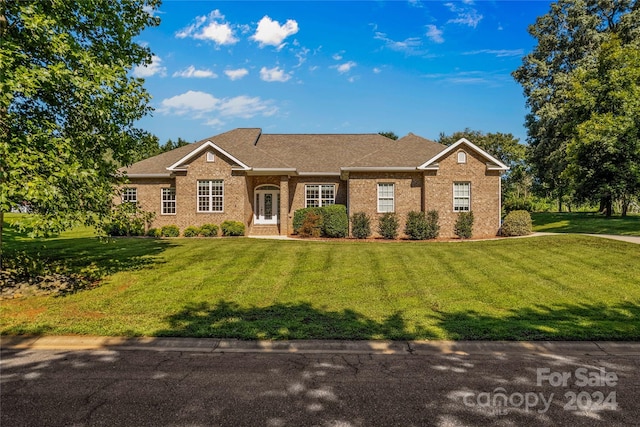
(485, 193)
(363, 195)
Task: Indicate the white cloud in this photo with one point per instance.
(416, 3)
(500, 53)
(377, 70)
(193, 72)
(301, 54)
(211, 27)
(151, 69)
(271, 33)
(434, 34)
(338, 56)
(464, 15)
(409, 46)
(275, 74)
(490, 79)
(214, 111)
(345, 68)
(236, 74)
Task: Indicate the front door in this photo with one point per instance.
(267, 205)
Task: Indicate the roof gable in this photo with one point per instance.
(463, 141)
(202, 148)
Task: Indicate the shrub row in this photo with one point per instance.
(327, 221)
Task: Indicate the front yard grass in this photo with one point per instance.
(550, 287)
(588, 223)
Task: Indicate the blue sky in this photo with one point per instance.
(337, 67)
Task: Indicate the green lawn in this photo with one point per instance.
(551, 287)
(591, 223)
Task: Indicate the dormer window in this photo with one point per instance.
(462, 157)
(210, 157)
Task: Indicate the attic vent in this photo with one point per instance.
(210, 157)
(462, 157)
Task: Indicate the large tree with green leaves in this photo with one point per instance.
(68, 104)
(568, 36)
(603, 99)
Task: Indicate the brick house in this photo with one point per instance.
(262, 179)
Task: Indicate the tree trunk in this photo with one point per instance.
(608, 206)
(560, 204)
(626, 201)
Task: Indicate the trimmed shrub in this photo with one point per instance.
(170, 231)
(299, 215)
(153, 232)
(209, 230)
(464, 225)
(191, 231)
(416, 227)
(517, 223)
(335, 222)
(360, 225)
(433, 225)
(127, 219)
(388, 225)
(311, 226)
(232, 228)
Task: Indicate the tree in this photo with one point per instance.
(389, 134)
(507, 149)
(68, 105)
(603, 99)
(567, 37)
(151, 147)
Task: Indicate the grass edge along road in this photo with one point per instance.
(552, 287)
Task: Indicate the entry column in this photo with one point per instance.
(284, 205)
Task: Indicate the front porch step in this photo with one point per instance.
(264, 230)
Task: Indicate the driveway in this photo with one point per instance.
(189, 382)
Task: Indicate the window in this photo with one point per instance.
(386, 198)
(210, 157)
(211, 196)
(320, 195)
(461, 196)
(462, 157)
(168, 201)
(130, 195)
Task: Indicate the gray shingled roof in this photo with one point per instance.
(304, 152)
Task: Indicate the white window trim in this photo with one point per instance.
(392, 198)
(162, 201)
(319, 199)
(125, 194)
(210, 196)
(453, 201)
(462, 157)
(210, 157)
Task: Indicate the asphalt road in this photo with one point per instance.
(473, 384)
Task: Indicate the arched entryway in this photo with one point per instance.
(266, 208)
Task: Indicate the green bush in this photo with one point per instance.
(464, 225)
(191, 231)
(433, 225)
(299, 215)
(335, 222)
(153, 232)
(209, 230)
(232, 228)
(416, 226)
(360, 225)
(517, 223)
(388, 225)
(311, 226)
(170, 231)
(127, 219)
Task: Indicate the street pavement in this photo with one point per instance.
(97, 381)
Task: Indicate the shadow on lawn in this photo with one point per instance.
(303, 321)
(584, 222)
(283, 321)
